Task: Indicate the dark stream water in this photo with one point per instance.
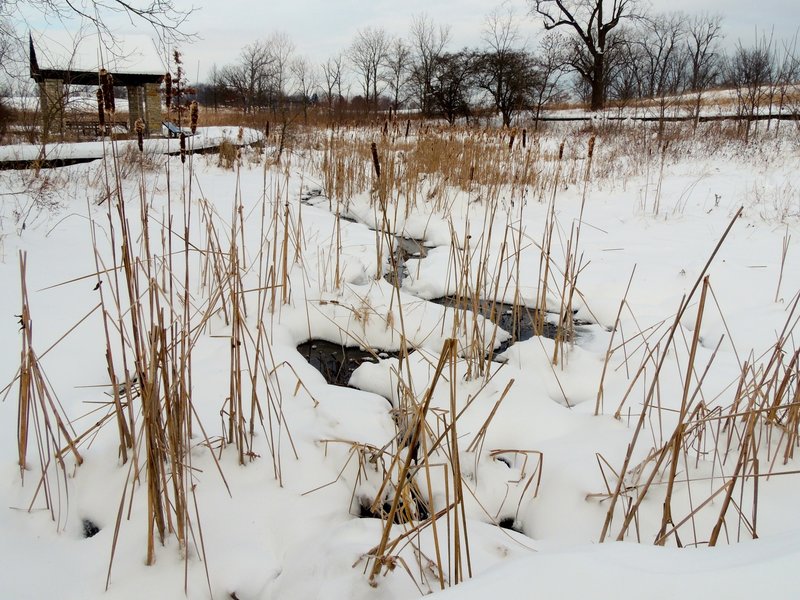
(520, 321)
(337, 362)
(404, 249)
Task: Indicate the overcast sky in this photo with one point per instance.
(321, 28)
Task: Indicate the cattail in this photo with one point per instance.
(561, 151)
(511, 140)
(386, 128)
(591, 146)
(240, 135)
(107, 81)
(408, 126)
(168, 89)
(183, 147)
(375, 162)
(194, 112)
(139, 128)
(266, 131)
(524, 137)
(101, 113)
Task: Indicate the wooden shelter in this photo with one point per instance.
(144, 98)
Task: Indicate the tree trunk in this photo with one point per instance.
(598, 83)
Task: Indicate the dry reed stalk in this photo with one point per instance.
(598, 407)
(379, 556)
(678, 436)
(784, 251)
(652, 388)
(154, 320)
(476, 445)
(460, 520)
(572, 268)
(545, 249)
(40, 412)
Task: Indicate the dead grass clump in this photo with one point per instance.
(228, 154)
(41, 417)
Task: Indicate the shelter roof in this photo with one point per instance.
(132, 60)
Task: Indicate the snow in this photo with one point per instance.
(207, 137)
(628, 571)
(532, 451)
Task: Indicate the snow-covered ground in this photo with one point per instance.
(206, 137)
(538, 447)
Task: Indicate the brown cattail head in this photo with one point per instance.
(101, 112)
(183, 147)
(107, 82)
(240, 135)
(266, 130)
(375, 162)
(561, 151)
(194, 113)
(408, 126)
(139, 128)
(591, 147)
(524, 137)
(168, 89)
(511, 139)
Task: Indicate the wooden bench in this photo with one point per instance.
(174, 131)
(91, 126)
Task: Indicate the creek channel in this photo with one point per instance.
(337, 362)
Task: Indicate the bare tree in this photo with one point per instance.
(214, 91)
(428, 43)
(331, 71)
(367, 55)
(751, 72)
(703, 34)
(396, 71)
(9, 42)
(549, 62)
(591, 23)
(250, 79)
(305, 79)
(9, 59)
(164, 16)
(625, 79)
(787, 73)
(281, 49)
(661, 43)
(451, 84)
(505, 72)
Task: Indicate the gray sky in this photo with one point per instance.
(320, 28)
